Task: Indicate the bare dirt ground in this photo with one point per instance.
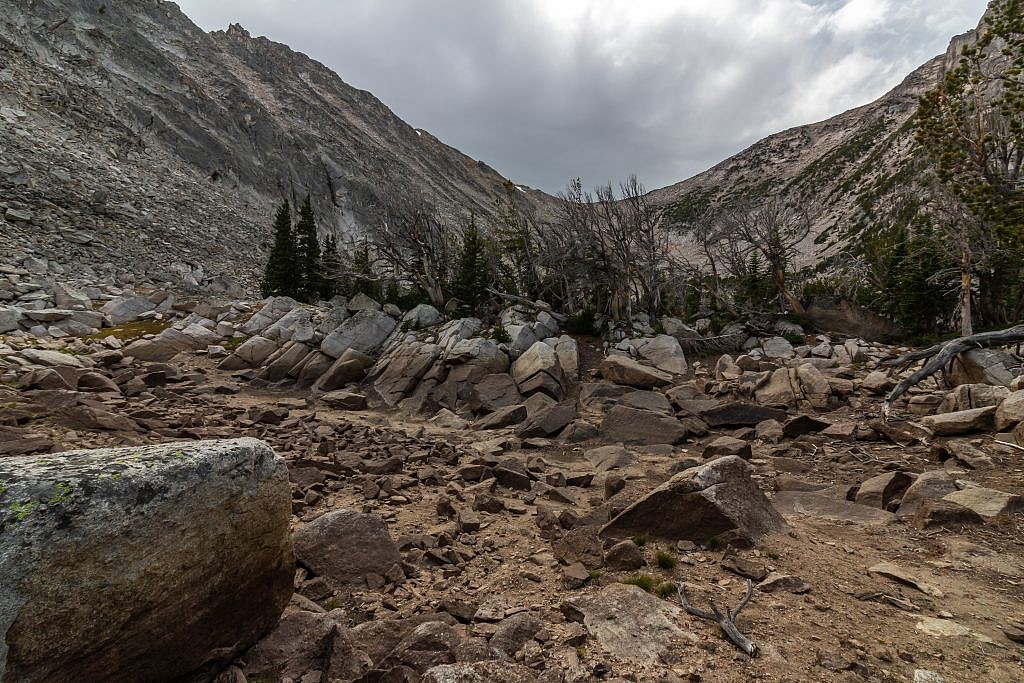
(851, 625)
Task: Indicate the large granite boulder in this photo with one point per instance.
(663, 352)
(1010, 411)
(273, 310)
(363, 332)
(624, 424)
(718, 499)
(539, 370)
(960, 422)
(160, 562)
(126, 309)
(624, 370)
(986, 366)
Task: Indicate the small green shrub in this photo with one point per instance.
(640, 539)
(795, 339)
(665, 559)
(666, 589)
(500, 334)
(713, 544)
(644, 581)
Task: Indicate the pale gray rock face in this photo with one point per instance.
(126, 309)
(363, 332)
(960, 422)
(175, 558)
(52, 358)
(295, 325)
(273, 310)
(624, 370)
(423, 315)
(629, 623)
(778, 348)
(663, 352)
(986, 366)
(1010, 411)
(255, 350)
(10, 317)
(968, 396)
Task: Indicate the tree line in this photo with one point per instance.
(952, 255)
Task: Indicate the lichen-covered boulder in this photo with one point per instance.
(159, 562)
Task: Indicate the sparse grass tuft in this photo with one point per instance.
(640, 540)
(666, 590)
(665, 559)
(713, 544)
(644, 581)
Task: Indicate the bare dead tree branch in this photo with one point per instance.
(726, 621)
(941, 355)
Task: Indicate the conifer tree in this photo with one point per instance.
(331, 261)
(280, 277)
(310, 269)
(473, 271)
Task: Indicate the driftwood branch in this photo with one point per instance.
(726, 621)
(941, 355)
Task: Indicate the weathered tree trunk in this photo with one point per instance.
(966, 326)
(780, 284)
(941, 355)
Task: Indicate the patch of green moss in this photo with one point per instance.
(129, 332)
(22, 510)
(61, 493)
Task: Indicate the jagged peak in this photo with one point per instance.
(238, 31)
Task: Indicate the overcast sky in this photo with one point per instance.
(547, 90)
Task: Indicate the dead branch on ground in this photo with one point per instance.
(942, 355)
(726, 621)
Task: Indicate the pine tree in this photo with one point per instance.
(331, 261)
(310, 268)
(473, 271)
(280, 275)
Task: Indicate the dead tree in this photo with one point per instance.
(416, 244)
(621, 240)
(774, 229)
(942, 355)
(726, 621)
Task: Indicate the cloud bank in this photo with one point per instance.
(548, 90)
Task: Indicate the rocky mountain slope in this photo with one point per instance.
(855, 173)
(136, 146)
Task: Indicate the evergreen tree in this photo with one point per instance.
(473, 270)
(280, 277)
(310, 268)
(331, 261)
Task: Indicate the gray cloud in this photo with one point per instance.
(547, 90)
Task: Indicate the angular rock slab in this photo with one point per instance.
(148, 563)
(348, 548)
(714, 499)
(629, 623)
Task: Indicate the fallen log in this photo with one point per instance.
(941, 355)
